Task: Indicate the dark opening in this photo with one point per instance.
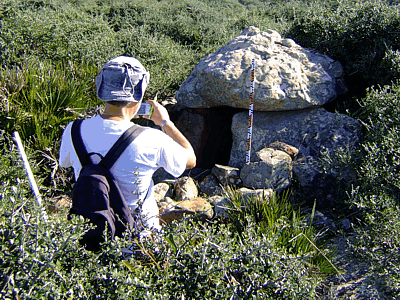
(213, 145)
(216, 139)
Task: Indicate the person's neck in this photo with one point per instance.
(117, 113)
(112, 115)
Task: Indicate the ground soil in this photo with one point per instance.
(357, 280)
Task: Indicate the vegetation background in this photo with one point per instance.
(51, 51)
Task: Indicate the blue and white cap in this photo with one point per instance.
(122, 79)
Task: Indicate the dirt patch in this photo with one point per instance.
(357, 280)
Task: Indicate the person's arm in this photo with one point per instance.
(160, 115)
(64, 158)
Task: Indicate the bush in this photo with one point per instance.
(41, 98)
(361, 35)
(43, 259)
(169, 37)
(56, 32)
(379, 245)
(275, 217)
(376, 193)
(380, 167)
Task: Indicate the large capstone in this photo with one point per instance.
(287, 76)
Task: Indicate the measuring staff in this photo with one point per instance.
(251, 110)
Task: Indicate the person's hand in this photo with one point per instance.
(160, 113)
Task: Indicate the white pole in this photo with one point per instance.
(251, 112)
(29, 173)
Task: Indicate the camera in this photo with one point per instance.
(145, 109)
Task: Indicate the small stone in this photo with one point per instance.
(226, 175)
(288, 149)
(210, 186)
(161, 190)
(185, 189)
(346, 224)
(195, 206)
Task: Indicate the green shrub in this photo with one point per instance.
(44, 98)
(361, 35)
(169, 63)
(168, 36)
(210, 262)
(56, 32)
(275, 217)
(379, 245)
(43, 259)
(380, 167)
(375, 195)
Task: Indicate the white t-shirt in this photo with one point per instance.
(152, 149)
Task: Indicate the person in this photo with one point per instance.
(121, 84)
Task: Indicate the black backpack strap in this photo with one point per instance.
(77, 141)
(113, 154)
(120, 145)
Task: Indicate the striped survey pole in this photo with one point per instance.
(251, 110)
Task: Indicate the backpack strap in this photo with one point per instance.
(120, 145)
(113, 154)
(77, 142)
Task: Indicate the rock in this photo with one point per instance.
(210, 186)
(227, 175)
(313, 131)
(192, 126)
(346, 224)
(169, 102)
(323, 222)
(195, 206)
(169, 214)
(288, 149)
(287, 76)
(272, 171)
(162, 190)
(185, 188)
(220, 206)
(168, 200)
(317, 182)
(262, 194)
(162, 205)
(305, 169)
(221, 203)
(59, 203)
